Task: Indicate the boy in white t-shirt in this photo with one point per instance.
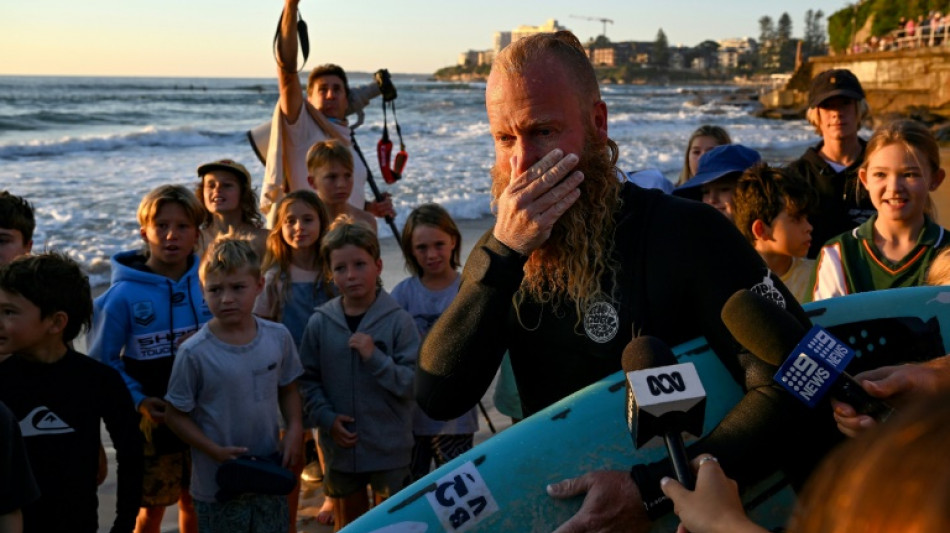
(771, 209)
(225, 388)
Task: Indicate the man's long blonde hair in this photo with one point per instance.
(577, 256)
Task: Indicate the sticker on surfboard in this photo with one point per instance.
(461, 499)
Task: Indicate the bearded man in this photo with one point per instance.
(576, 264)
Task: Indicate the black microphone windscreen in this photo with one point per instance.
(646, 352)
(764, 328)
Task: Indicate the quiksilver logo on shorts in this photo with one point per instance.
(601, 322)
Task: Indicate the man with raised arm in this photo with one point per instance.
(298, 123)
(578, 262)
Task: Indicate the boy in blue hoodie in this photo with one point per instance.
(154, 302)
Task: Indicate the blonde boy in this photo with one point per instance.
(226, 386)
(771, 210)
(155, 301)
(330, 168)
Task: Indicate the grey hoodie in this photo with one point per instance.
(377, 393)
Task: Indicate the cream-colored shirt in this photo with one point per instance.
(797, 277)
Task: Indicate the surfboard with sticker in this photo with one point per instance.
(500, 484)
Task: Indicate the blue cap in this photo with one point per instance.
(718, 162)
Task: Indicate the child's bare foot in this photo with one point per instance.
(325, 516)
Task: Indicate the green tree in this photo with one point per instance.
(768, 54)
(814, 34)
(661, 50)
(785, 44)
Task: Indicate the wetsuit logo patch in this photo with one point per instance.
(601, 322)
(767, 289)
(143, 313)
(42, 421)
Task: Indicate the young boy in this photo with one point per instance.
(715, 180)
(359, 354)
(330, 168)
(772, 207)
(225, 389)
(16, 227)
(60, 397)
(154, 301)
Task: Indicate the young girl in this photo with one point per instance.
(704, 139)
(225, 191)
(359, 355)
(894, 247)
(431, 243)
(294, 283)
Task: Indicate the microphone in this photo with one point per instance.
(664, 399)
(811, 363)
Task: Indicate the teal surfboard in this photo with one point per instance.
(500, 484)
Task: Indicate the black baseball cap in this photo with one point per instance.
(831, 83)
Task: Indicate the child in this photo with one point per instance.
(16, 227)
(60, 397)
(359, 355)
(293, 275)
(715, 181)
(226, 386)
(431, 243)
(894, 247)
(330, 165)
(771, 210)
(155, 301)
(225, 192)
(704, 139)
(294, 285)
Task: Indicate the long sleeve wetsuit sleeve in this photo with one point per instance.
(462, 352)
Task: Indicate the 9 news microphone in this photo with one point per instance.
(811, 363)
(664, 399)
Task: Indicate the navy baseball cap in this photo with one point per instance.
(718, 162)
(835, 82)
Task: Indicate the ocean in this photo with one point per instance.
(85, 149)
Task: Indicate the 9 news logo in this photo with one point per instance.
(805, 377)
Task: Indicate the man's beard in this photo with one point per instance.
(577, 253)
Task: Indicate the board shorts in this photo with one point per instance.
(249, 512)
(440, 448)
(385, 483)
(166, 467)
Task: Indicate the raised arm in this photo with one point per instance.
(288, 80)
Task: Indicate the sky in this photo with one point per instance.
(216, 38)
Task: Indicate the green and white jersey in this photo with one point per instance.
(851, 262)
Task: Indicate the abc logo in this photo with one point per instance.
(666, 383)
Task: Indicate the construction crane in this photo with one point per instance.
(603, 21)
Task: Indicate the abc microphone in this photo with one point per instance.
(664, 399)
(811, 363)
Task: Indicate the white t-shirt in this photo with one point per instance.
(230, 392)
(303, 134)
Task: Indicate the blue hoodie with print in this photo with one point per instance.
(136, 323)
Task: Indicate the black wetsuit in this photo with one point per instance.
(843, 204)
(679, 262)
(60, 407)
